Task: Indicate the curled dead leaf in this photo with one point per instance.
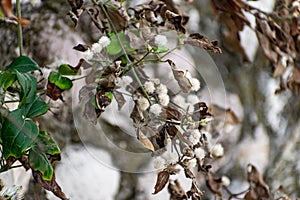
(6, 7)
(161, 181)
(259, 189)
(198, 40)
(144, 140)
(171, 113)
(214, 184)
(176, 191)
(51, 185)
(183, 82)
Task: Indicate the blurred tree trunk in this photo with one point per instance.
(248, 81)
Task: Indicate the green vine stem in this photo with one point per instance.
(20, 36)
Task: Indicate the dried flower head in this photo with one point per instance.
(143, 103)
(199, 153)
(191, 163)
(195, 84)
(156, 109)
(149, 87)
(96, 48)
(161, 89)
(123, 82)
(104, 41)
(164, 99)
(88, 55)
(225, 181)
(217, 150)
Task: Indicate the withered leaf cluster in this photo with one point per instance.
(278, 34)
(137, 27)
(258, 188)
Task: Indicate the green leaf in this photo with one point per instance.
(35, 108)
(109, 95)
(67, 70)
(7, 79)
(44, 146)
(28, 84)
(61, 82)
(39, 162)
(160, 49)
(47, 144)
(18, 134)
(114, 47)
(22, 64)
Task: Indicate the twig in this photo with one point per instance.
(20, 35)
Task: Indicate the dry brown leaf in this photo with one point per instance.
(200, 111)
(266, 47)
(175, 21)
(97, 17)
(6, 7)
(231, 37)
(195, 192)
(234, 8)
(260, 188)
(81, 47)
(198, 40)
(118, 17)
(176, 191)
(183, 82)
(49, 185)
(215, 185)
(162, 180)
(171, 113)
(279, 69)
(294, 81)
(144, 140)
(231, 118)
(76, 10)
(160, 138)
(224, 114)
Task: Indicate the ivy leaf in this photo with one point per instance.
(35, 108)
(61, 82)
(47, 144)
(57, 84)
(28, 84)
(22, 64)
(18, 134)
(39, 162)
(67, 70)
(44, 146)
(7, 79)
